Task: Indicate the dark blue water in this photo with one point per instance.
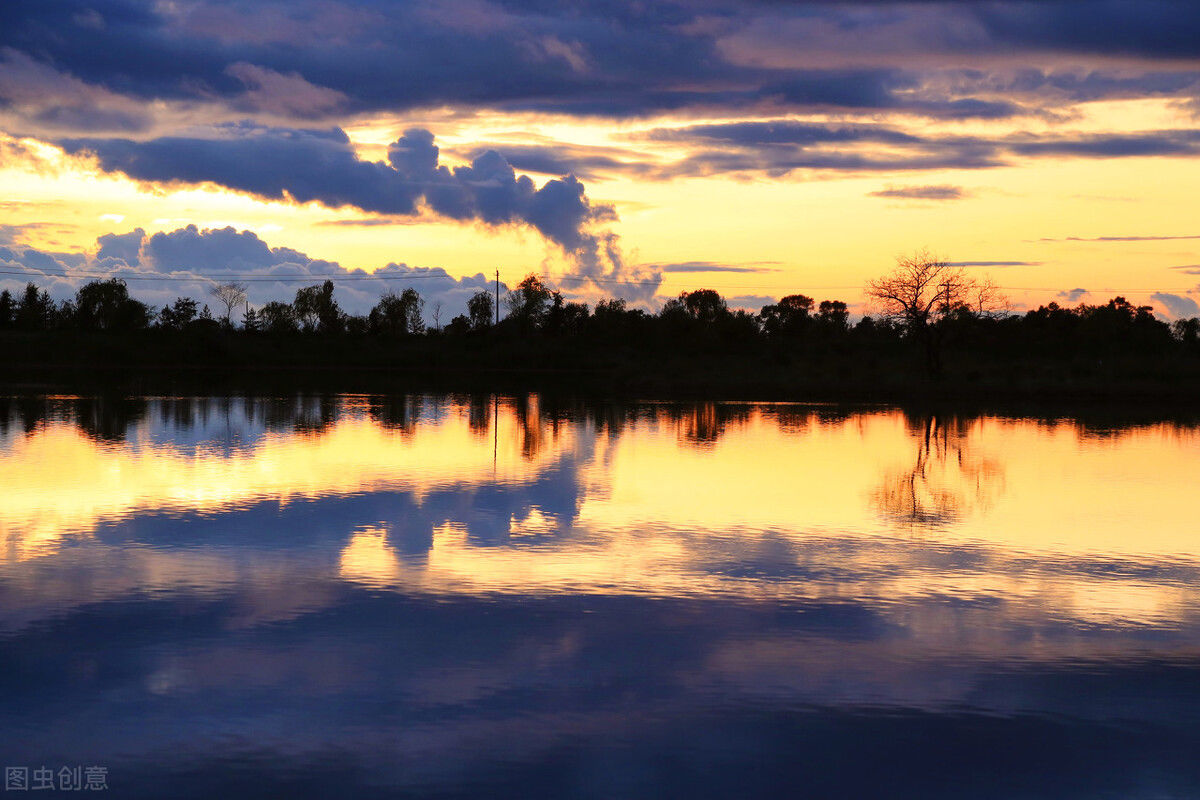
(505, 597)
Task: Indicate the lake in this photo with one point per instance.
(482, 596)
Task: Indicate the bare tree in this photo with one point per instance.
(437, 316)
(925, 289)
(230, 295)
(985, 300)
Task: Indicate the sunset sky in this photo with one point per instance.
(631, 148)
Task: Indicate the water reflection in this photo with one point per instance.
(534, 595)
(947, 476)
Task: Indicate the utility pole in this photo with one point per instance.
(497, 297)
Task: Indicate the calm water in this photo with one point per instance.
(499, 597)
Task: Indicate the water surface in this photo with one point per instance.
(492, 596)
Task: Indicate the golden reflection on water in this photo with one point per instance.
(58, 481)
(752, 501)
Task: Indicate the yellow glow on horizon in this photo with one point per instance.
(804, 232)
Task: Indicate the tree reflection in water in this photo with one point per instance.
(702, 424)
(947, 479)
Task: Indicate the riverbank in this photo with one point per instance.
(155, 363)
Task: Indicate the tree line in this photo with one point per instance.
(924, 304)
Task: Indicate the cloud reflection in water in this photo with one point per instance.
(412, 593)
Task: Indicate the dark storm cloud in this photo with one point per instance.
(1155, 29)
(777, 163)
(782, 132)
(321, 166)
(1153, 143)
(307, 58)
(560, 158)
(308, 165)
(88, 117)
(1088, 84)
(781, 146)
(49, 100)
(378, 55)
(879, 89)
(778, 147)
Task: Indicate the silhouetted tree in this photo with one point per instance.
(924, 301)
(177, 315)
(250, 320)
(316, 310)
(617, 324)
(1185, 330)
(107, 306)
(398, 315)
(923, 290)
(480, 310)
(788, 317)
(231, 295)
(833, 315)
(704, 305)
(277, 317)
(528, 303)
(611, 308)
(459, 326)
(36, 310)
(565, 318)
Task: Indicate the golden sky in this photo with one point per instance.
(759, 151)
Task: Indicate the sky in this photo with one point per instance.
(628, 148)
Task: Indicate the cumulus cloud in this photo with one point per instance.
(1073, 295)
(189, 262)
(1178, 305)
